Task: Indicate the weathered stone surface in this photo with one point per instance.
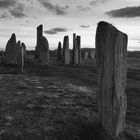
(92, 54)
(59, 51)
(86, 55)
(79, 48)
(43, 51)
(66, 55)
(11, 51)
(75, 50)
(20, 57)
(39, 35)
(24, 48)
(2, 57)
(111, 47)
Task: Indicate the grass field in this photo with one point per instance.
(59, 102)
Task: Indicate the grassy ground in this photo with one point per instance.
(59, 102)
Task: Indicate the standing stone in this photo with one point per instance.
(111, 47)
(59, 51)
(39, 35)
(24, 48)
(20, 57)
(66, 54)
(11, 51)
(79, 48)
(75, 50)
(43, 51)
(86, 55)
(2, 57)
(92, 54)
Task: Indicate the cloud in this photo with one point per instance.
(84, 26)
(12, 8)
(18, 11)
(55, 31)
(128, 12)
(96, 2)
(83, 9)
(7, 3)
(58, 10)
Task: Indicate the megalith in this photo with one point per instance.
(66, 54)
(39, 36)
(79, 48)
(24, 50)
(59, 51)
(43, 51)
(111, 60)
(11, 51)
(75, 50)
(20, 57)
(86, 55)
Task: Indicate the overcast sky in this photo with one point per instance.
(64, 17)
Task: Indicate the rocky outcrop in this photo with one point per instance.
(111, 51)
(43, 51)
(11, 51)
(39, 35)
(59, 51)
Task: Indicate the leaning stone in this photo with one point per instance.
(111, 47)
(59, 51)
(20, 58)
(43, 51)
(11, 51)
(39, 35)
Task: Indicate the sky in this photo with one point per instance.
(65, 17)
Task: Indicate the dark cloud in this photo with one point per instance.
(127, 12)
(96, 2)
(18, 11)
(84, 26)
(55, 31)
(83, 9)
(58, 10)
(7, 3)
(13, 8)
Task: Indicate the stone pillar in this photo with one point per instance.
(39, 35)
(11, 51)
(44, 51)
(111, 47)
(86, 55)
(20, 58)
(75, 50)
(59, 51)
(79, 48)
(24, 48)
(66, 54)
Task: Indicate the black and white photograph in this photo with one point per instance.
(69, 69)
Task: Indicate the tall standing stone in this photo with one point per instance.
(11, 51)
(24, 48)
(20, 57)
(59, 51)
(86, 55)
(79, 48)
(75, 50)
(44, 51)
(66, 54)
(111, 47)
(39, 35)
